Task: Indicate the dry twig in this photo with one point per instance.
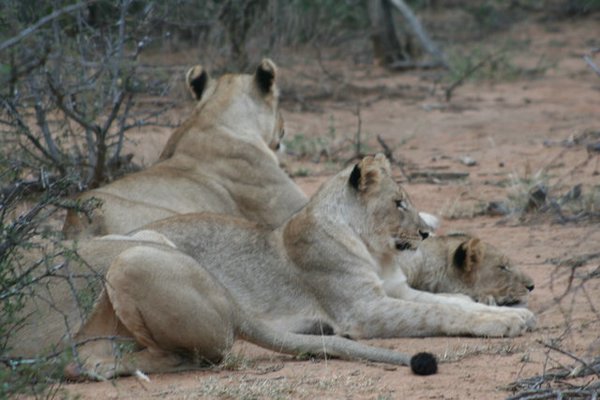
(450, 89)
(590, 61)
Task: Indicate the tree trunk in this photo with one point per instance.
(386, 46)
(421, 34)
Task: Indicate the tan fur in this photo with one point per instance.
(221, 159)
(487, 276)
(321, 271)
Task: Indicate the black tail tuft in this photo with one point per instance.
(423, 364)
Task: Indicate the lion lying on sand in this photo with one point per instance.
(463, 264)
(181, 290)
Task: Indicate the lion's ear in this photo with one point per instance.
(468, 256)
(367, 174)
(265, 75)
(196, 79)
(354, 180)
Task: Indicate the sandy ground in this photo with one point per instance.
(518, 131)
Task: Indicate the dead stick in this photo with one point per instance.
(386, 149)
(574, 357)
(358, 131)
(588, 59)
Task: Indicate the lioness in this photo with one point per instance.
(158, 310)
(220, 159)
(463, 264)
(326, 265)
(321, 272)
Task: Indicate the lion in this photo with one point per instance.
(221, 159)
(461, 263)
(214, 278)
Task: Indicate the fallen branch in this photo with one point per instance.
(591, 369)
(531, 387)
(551, 394)
(437, 177)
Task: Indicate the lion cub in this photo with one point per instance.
(462, 263)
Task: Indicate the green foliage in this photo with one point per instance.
(488, 15)
(328, 17)
(580, 7)
(491, 65)
(303, 146)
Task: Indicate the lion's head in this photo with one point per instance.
(389, 223)
(365, 209)
(477, 269)
(246, 105)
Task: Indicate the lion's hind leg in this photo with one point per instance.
(176, 313)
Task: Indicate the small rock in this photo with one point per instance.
(468, 161)
(593, 147)
(497, 208)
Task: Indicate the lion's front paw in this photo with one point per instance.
(527, 316)
(520, 321)
(505, 324)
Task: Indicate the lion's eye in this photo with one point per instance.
(401, 204)
(503, 267)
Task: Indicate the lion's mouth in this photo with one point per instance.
(508, 302)
(513, 302)
(503, 301)
(403, 244)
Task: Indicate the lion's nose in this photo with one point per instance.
(424, 234)
(530, 287)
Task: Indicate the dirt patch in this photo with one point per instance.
(517, 133)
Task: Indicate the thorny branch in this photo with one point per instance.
(591, 369)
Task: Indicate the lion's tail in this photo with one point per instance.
(334, 346)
